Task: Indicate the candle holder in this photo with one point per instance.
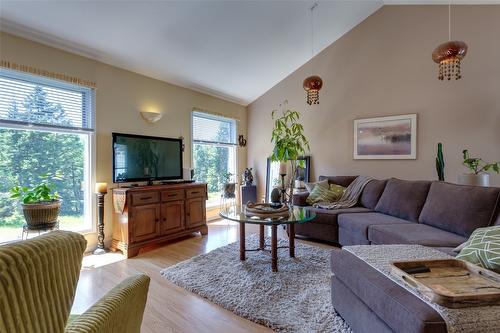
(283, 189)
(101, 192)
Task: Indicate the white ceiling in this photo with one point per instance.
(236, 50)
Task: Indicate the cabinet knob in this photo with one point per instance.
(157, 220)
(164, 219)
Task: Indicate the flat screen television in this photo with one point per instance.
(146, 158)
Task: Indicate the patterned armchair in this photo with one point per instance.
(38, 279)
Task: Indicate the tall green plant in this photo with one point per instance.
(477, 165)
(440, 162)
(288, 138)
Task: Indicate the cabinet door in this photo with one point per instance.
(172, 217)
(195, 212)
(145, 222)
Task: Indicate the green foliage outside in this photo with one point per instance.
(25, 155)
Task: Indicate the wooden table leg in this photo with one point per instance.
(291, 239)
(261, 237)
(274, 247)
(242, 241)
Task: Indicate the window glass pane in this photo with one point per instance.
(211, 164)
(210, 128)
(28, 154)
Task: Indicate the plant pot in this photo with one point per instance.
(42, 214)
(229, 190)
(481, 179)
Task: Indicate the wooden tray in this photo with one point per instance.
(452, 283)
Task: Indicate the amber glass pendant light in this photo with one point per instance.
(449, 55)
(313, 84)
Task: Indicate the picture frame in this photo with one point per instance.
(390, 137)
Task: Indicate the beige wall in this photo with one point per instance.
(384, 67)
(119, 97)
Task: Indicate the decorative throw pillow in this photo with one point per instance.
(310, 186)
(339, 190)
(324, 194)
(483, 248)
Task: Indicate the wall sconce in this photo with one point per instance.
(242, 141)
(151, 117)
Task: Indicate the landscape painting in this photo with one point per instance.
(393, 137)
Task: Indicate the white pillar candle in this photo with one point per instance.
(283, 168)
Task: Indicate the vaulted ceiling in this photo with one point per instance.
(236, 50)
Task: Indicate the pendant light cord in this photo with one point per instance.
(314, 5)
(449, 20)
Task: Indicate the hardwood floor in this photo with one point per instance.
(169, 308)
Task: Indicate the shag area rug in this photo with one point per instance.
(295, 299)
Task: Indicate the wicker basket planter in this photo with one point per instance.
(43, 214)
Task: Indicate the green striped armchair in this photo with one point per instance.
(38, 279)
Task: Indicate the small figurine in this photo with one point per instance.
(248, 177)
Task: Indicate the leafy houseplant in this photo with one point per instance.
(40, 204)
(479, 168)
(289, 140)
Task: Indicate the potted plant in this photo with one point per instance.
(479, 168)
(229, 186)
(40, 204)
(289, 141)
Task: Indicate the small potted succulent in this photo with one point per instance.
(40, 204)
(479, 168)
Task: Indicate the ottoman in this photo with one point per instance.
(371, 302)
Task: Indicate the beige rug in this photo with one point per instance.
(295, 299)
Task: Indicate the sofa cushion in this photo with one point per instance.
(413, 233)
(339, 180)
(358, 223)
(329, 216)
(458, 208)
(372, 193)
(398, 308)
(403, 198)
(483, 248)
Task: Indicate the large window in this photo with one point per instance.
(214, 152)
(46, 127)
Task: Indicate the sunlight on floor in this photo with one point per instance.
(93, 261)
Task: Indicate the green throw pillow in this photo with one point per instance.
(483, 248)
(324, 194)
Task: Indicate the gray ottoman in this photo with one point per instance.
(371, 302)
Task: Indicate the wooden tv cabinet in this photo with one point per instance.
(157, 213)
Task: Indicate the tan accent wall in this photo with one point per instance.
(120, 96)
(384, 67)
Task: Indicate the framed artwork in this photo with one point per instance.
(393, 137)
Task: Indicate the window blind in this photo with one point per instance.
(213, 129)
(27, 99)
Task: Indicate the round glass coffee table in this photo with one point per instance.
(297, 215)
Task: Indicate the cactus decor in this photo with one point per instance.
(440, 162)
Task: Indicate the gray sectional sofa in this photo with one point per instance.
(394, 211)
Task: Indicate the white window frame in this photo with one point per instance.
(90, 210)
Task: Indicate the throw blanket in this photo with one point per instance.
(350, 196)
(481, 319)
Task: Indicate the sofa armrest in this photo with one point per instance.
(120, 310)
(299, 199)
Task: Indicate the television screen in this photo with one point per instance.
(144, 158)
